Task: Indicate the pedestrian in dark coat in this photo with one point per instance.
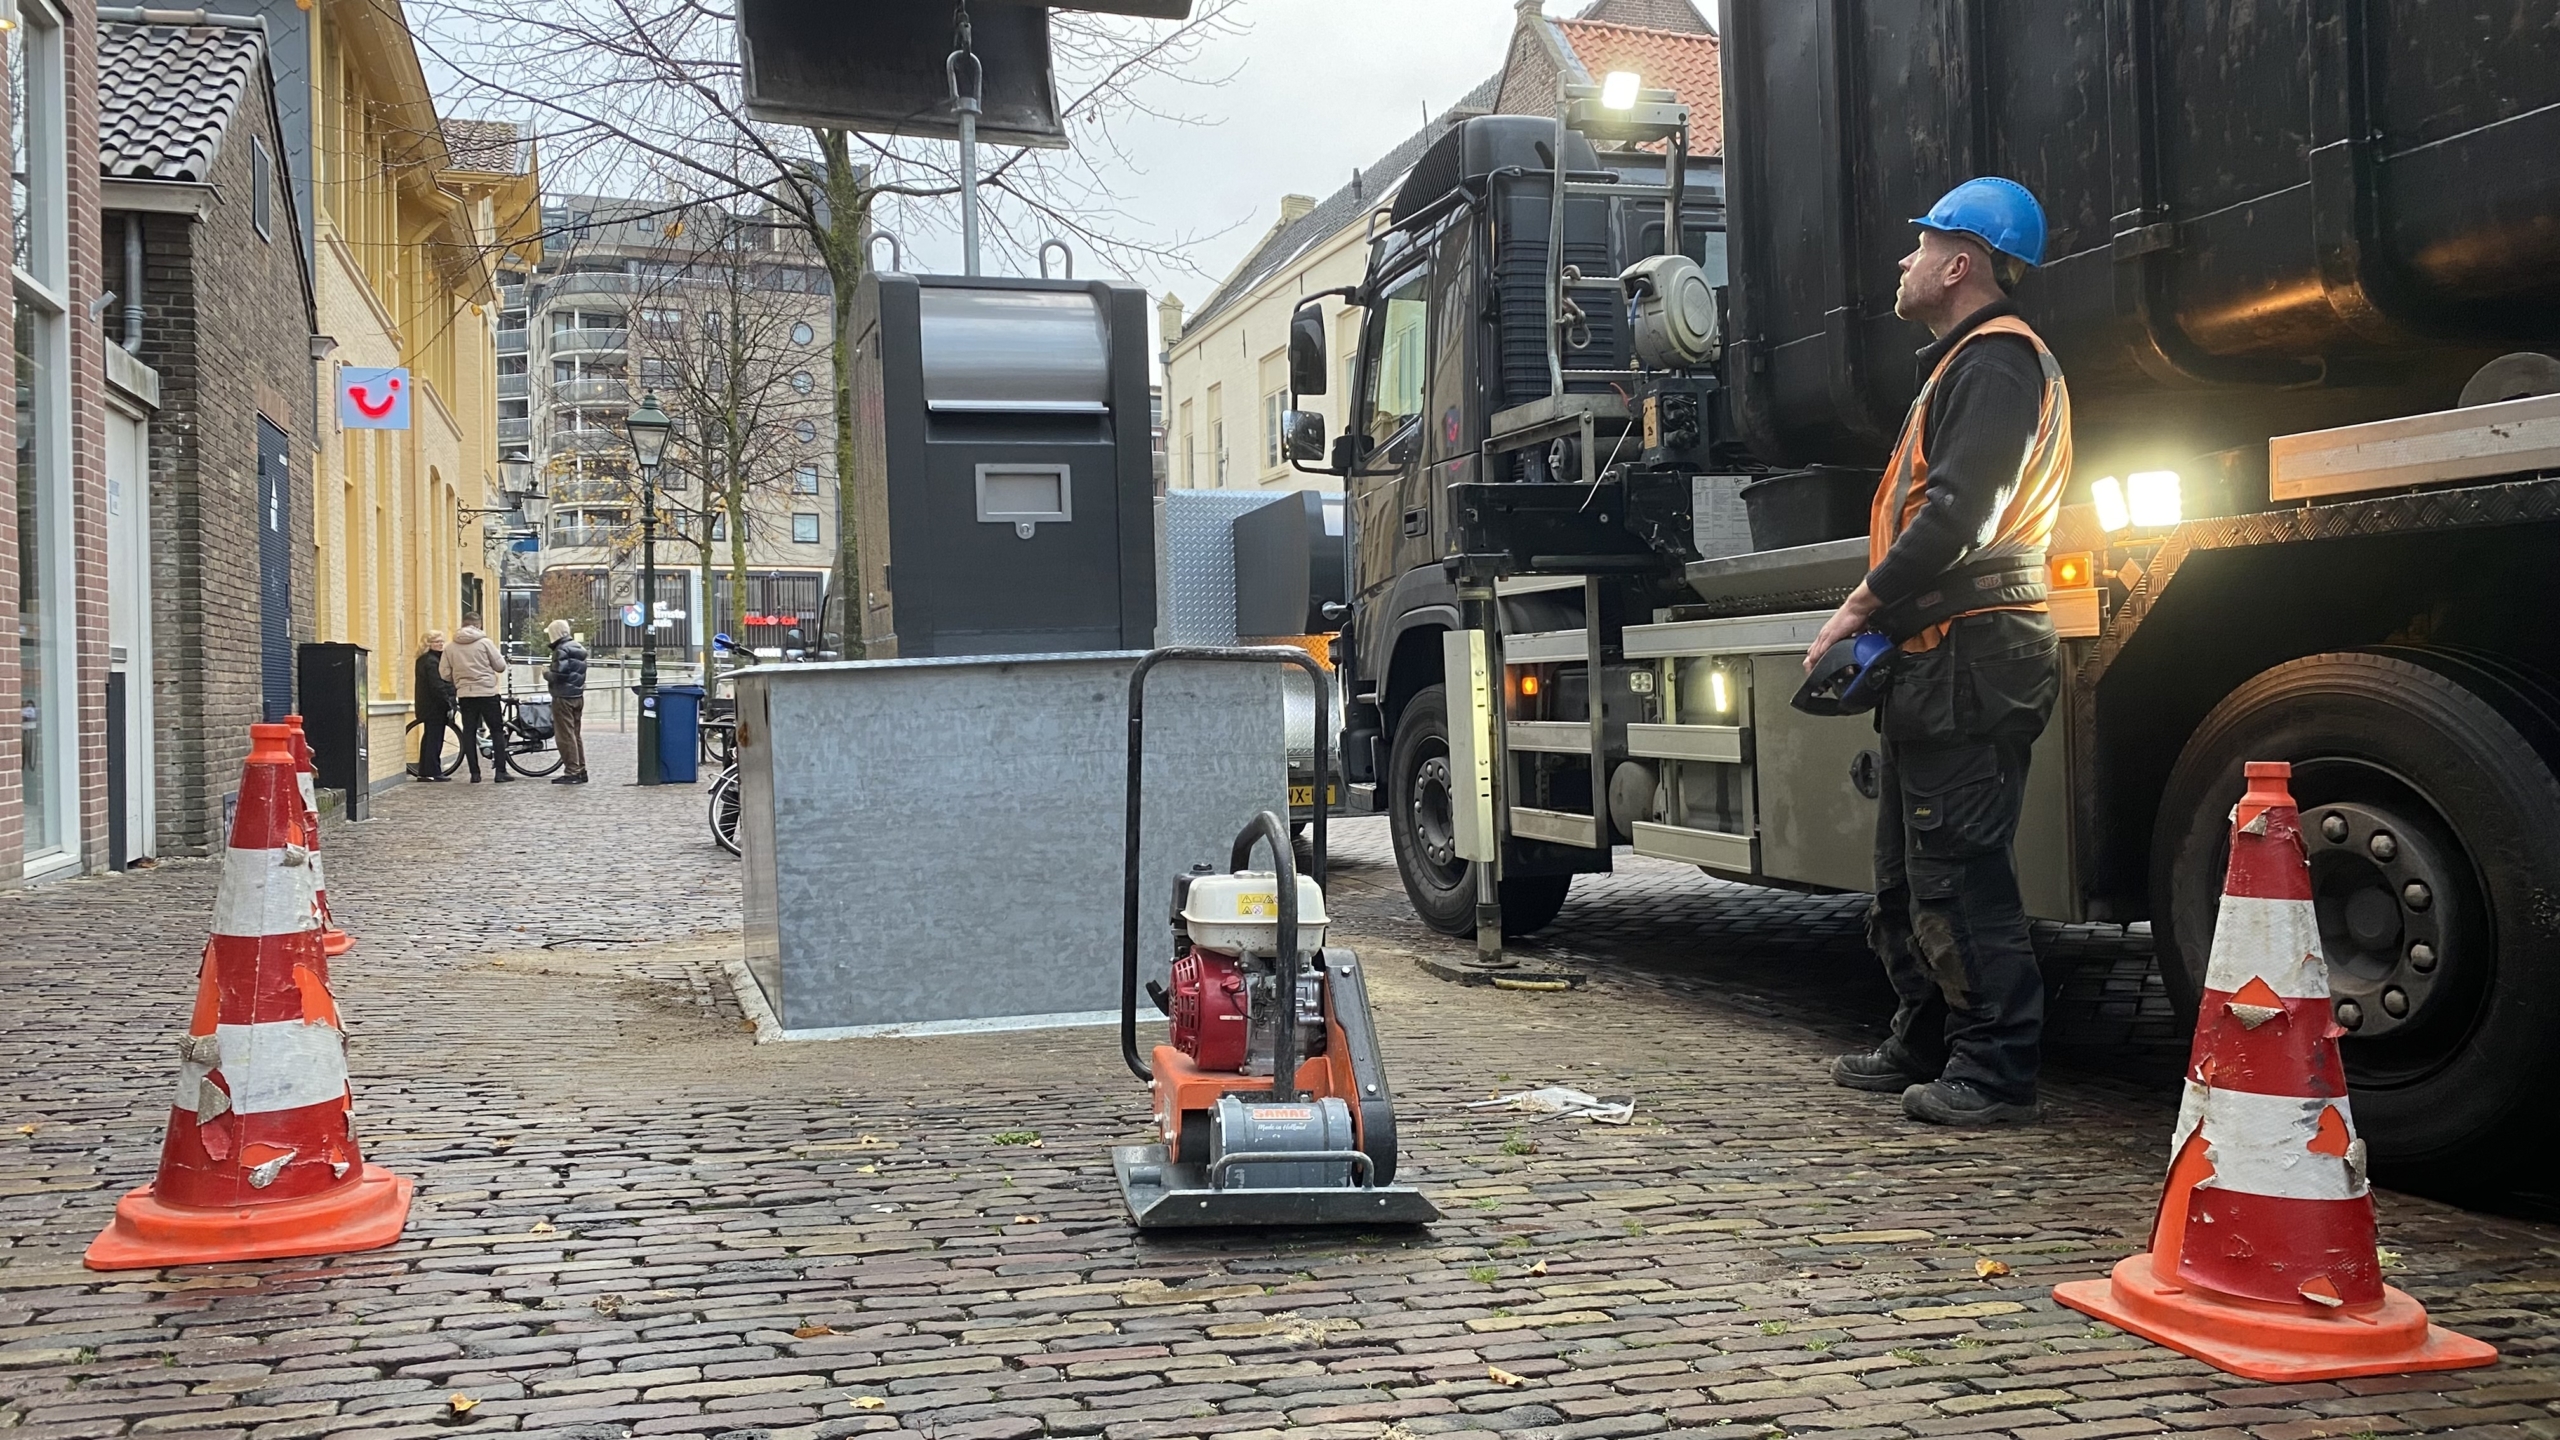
(567, 678)
(432, 703)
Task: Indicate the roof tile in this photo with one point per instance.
(1684, 64)
(167, 94)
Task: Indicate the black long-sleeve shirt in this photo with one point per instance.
(1982, 417)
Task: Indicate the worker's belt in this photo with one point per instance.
(1991, 584)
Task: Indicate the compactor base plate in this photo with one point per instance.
(1164, 1195)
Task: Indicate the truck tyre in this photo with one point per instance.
(2432, 819)
(1420, 820)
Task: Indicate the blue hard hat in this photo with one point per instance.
(1850, 678)
(1999, 213)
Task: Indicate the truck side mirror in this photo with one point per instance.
(1304, 430)
(1306, 351)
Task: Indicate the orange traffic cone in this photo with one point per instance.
(2262, 1261)
(333, 940)
(261, 1156)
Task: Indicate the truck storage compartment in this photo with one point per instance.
(1809, 506)
(2267, 216)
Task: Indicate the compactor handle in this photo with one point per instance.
(1285, 1080)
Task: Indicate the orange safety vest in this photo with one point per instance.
(2026, 522)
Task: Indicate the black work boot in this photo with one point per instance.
(1955, 1102)
(1873, 1070)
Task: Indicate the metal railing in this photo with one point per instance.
(515, 432)
(590, 391)
(592, 283)
(511, 342)
(513, 387)
(594, 440)
(588, 342)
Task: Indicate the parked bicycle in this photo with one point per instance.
(531, 750)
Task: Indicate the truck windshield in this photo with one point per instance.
(1400, 358)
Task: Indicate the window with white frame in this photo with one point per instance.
(40, 463)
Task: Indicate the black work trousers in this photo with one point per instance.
(1958, 727)
(480, 711)
(432, 725)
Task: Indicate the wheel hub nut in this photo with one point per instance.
(2334, 827)
(2395, 1002)
(2416, 895)
(2383, 846)
(2350, 1014)
(2422, 957)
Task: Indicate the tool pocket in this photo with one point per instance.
(1954, 804)
(1920, 711)
(2007, 675)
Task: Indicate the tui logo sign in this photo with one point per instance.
(373, 398)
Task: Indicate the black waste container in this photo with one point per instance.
(336, 717)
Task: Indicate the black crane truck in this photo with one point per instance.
(2304, 277)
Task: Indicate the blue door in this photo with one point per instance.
(275, 572)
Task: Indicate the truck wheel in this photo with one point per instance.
(2432, 819)
(1421, 818)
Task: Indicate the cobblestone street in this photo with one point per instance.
(632, 1219)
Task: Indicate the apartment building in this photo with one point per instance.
(726, 319)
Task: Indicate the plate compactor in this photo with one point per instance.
(1271, 1103)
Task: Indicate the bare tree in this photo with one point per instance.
(724, 359)
(626, 91)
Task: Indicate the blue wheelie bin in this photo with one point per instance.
(679, 740)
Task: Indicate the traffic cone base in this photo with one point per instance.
(148, 1234)
(2263, 1340)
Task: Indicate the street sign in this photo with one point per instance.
(373, 397)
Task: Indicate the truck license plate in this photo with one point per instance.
(1304, 796)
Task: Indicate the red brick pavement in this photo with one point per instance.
(631, 1220)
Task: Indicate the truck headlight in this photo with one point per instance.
(2108, 496)
(2151, 497)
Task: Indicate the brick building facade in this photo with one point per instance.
(222, 314)
(53, 551)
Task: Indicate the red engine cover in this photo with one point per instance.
(1209, 1010)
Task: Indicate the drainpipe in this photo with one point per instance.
(133, 282)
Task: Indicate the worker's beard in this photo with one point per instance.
(1916, 297)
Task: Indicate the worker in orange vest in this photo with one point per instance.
(1956, 583)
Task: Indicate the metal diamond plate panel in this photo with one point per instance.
(1196, 592)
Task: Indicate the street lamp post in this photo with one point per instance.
(648, 427)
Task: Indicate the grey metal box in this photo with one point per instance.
(1003, 496)
(1292, 560)
(935, 845)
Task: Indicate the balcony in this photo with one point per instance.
(575, 491)
(511, 387)
(590, 342)
(510, 297)
(515, 432)
(511, 342)
(591, 391)
(591, 441)
(583, 537)
(561, 287)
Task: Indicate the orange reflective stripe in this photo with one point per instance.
(2026, 522)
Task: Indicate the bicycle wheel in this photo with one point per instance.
(448, 760)
(723, 811)
(538, 758)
